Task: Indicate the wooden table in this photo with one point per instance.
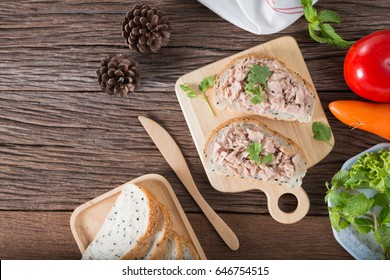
(63, 141)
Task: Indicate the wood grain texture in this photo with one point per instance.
(64, 142)
(44, 235)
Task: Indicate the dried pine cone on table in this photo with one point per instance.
(146, 29)
(118, 75)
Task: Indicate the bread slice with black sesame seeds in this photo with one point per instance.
(129, 227)
(189, 252)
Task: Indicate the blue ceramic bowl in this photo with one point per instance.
(360, 246)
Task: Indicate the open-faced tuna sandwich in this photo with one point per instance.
(247, 148)
(266, 87)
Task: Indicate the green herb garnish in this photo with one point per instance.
(204, 85)
(256, 80)
(320, 29)
(349, 207)
(254, 150)
(321, 132)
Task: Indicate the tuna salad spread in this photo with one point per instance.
(285, 95)
(228, 151)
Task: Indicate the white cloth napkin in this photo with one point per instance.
(257, 16)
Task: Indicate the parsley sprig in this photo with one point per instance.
(319, 25)
(254, 149)
(349, 207)
(204, 85)
(321, 132)
(256, 81)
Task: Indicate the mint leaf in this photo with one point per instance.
(382, 235)
(319, 28)
(381, 199)
(310, 13)
(338, 199)
(321, 131)
(340, 178)
(334, 219)
(190, 92)
(328, 16)
(363, 225)
(357, 205)
(254, 150)
(384, 216)
(328, 31)
(206, 83)
(267, 159)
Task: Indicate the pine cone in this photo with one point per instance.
(118, 75)
(146, 29)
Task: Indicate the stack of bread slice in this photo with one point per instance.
(139, 227)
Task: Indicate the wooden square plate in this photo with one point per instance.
(87, 219)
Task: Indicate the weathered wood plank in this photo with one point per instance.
(59, 150)
(47, 235)
(59, 46)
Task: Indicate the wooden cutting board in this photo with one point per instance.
(87, 219)
(201, 123)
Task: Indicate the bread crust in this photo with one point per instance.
(161, 245)
(234, 61)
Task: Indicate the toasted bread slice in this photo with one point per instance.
(286, 95)
(226, 152)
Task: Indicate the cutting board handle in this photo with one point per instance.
(275, 192)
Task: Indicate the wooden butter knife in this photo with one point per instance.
(172, 154)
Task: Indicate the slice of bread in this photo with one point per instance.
(189, 252)
(174, 249)
(129, 226)
(160, 244)
(226, 153)
(287, 95)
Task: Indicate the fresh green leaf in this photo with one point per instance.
(313, 27)
(254, 150)
(357, 205)
(344, 224)
(206, 83)
(340, 178)
(384, 216)
(319, 28)
(190, 92)
(203, 87)
(381, 199)
(338, 199)
(307, 3)
(321, 131)
(328, 16)
(328, 31)
(258, 74)
(257, 78)
(363, 225)
(360, 181)
(382, 235)
(256, 92)
(267, 159)
(310, 13)
(257, 99)
(334, 219)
